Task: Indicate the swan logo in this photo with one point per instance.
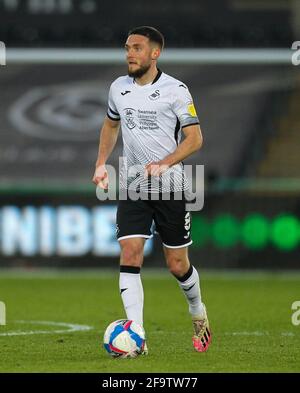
(155, 95)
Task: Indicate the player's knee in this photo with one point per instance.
(132, 255)
(177, 266)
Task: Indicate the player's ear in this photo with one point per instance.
(155, 53)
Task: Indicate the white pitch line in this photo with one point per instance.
(255, 333)
(245, 333)
(71, 327)
(258, 333)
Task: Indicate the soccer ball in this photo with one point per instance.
(124, 339)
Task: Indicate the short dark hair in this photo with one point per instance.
(153, 34)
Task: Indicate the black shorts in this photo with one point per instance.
(172, 221)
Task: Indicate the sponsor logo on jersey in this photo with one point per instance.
(125, 92)
(187, 220)
(155, 95)
(187, 224)
(192, 110)
(187, 235)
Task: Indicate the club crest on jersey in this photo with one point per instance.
(155, 95)
(129, 117)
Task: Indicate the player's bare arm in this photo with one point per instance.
(108, 139)
(192, 143)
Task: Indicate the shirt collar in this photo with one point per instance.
(158, 75)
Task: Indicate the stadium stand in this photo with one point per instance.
(79, 23)
(282, 157)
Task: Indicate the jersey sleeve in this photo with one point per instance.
(112, 111)
(183, 106)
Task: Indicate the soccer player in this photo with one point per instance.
(153, 109)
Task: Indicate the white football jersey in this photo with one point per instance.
(152, 117)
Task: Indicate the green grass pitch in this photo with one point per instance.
(250, 316)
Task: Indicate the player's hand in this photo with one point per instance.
(155, 169)
(101, 177)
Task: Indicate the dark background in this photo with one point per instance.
(193, 23)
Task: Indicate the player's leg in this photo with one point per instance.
(188, 280)
(134, 220)
(130, 284)
(173, 223)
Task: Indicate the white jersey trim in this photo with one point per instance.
(183, 245)
(130, 236)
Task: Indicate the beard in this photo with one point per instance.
(139, 72)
